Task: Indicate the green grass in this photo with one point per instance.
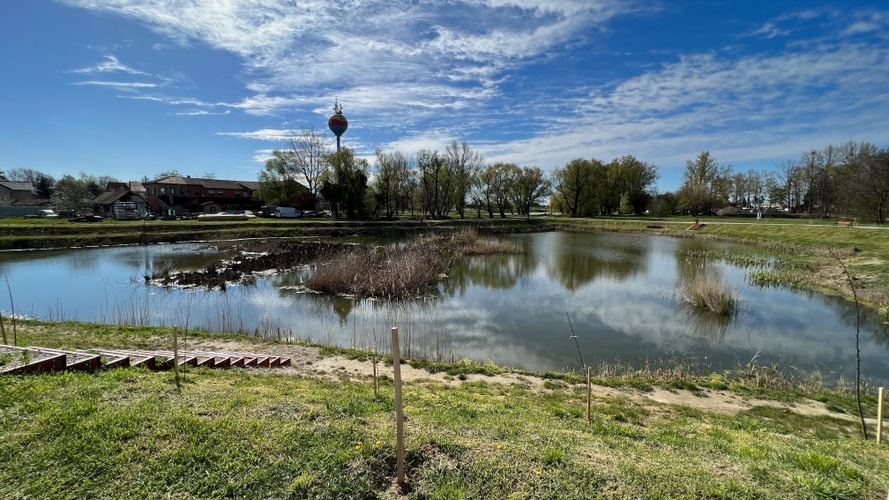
(254, 434)
(265, 433)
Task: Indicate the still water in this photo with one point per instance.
(619, 291)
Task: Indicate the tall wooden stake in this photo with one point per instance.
(589, 394)
(176, 357)
(376, 377)
(399, 411)
(880, 416)
(3, 330)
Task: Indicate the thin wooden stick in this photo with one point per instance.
(399, 410)
(376, 378)
(880, 416)
(589, 394)
(176, 357)
(3, 329)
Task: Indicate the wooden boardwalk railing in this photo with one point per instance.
(21, 360)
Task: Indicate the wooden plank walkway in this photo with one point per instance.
(41, 359)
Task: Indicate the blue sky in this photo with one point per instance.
(129, 88)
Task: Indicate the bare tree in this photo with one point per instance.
(392, 182)
(465, 164)
(868, 171)
(437, 182)
(308, 151)
(787, 182)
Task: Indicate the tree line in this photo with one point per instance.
(852, 179)
(429, 184)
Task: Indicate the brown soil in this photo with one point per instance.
(308, 361)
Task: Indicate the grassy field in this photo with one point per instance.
(321, 433)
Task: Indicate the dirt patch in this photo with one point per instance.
(308, 361)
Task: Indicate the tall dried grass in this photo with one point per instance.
(399, 272)
(711, 295)
(382, 272)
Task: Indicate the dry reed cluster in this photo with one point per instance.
(398, 272)
(711, 295)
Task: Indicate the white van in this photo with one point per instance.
(286, 213)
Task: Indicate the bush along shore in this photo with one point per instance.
(318, 430)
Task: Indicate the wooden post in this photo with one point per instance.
(399, 411)
(376, 377)
(176, 357)
(3, 330)
(880, 416)
(589, 394)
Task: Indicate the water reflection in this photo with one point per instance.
(619, 289)
(576, 260)
(707, 325)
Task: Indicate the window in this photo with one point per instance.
(163, 191)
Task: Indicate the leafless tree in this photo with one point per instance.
(465, 164)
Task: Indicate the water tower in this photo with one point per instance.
(338, 123)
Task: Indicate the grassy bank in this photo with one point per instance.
(321, 433)
(803, 246)
(20, 234)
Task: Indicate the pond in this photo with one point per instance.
(619, 292)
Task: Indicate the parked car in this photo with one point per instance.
(287, 213)
(87, 218)
(43, 214)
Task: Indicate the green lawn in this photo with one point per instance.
(287, 434)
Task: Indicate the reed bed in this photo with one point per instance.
(711, 295)
(400, 272)
(383, 271)
(468, 242)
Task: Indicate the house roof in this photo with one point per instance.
(17, 186)
(109, 197)
(33, 202)
(206, 183)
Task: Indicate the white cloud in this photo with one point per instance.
(202, 113)
(110, 65)
(430, 72)
(767, 30)
(295, 46)
(119, 85)
(262, 135)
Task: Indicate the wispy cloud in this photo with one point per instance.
(431, 72)
(299, 47)
(110, 65)
(767, 30)
(203, 113)
(262, 135)
(118, 85)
